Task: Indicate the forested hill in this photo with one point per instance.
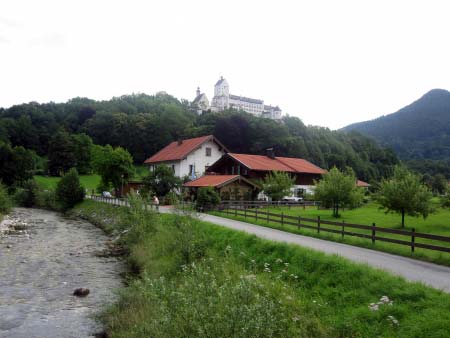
(144, 124)
(418, 131)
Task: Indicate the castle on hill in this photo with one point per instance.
(223, 100)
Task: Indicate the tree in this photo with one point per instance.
(405, 194)
(439, 184)
(82, 150)
(338, 189)
(16, 164)
(161, 181)
(61, 155)
(207, 198)
(69, 190)
(277, 184)
(5, 201)
(115, 166)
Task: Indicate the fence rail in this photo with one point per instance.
(342, 228)
(261, 204)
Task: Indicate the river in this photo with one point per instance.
(43, 258)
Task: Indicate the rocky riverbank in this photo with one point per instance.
(43, 259)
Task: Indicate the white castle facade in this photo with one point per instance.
(223, 100)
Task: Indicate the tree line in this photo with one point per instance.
(60, 133)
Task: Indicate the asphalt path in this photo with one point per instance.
(434, 275)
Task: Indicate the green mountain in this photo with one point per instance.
(418, 131)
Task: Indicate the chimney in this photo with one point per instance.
(198, 91)
(270, 153)
(180, 142)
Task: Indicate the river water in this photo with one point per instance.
(43, 258)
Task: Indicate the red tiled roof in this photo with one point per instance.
(175, 151)
(360, 183)
(265, 163)
(301, 166)
(210, 180)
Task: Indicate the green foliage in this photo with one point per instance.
(405, 194)
(171, 198)
(17, 164)
(338, 189)
(67, 151)
(27, 194)
(277, 184)
(115, 166)
(207, 198)
(144, 124)
(46, 199)
(439, 184)
(5, 200)
(69, 191)
(160, 181)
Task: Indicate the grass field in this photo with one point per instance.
(49, 183)
(89, 182)
(196, 279)
(437, 224)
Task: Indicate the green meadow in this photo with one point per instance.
(437, 223)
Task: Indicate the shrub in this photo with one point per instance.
(47, 199)
(26, 196)
(171, 198)
(207, 198)
(5, 201)
(69, 190)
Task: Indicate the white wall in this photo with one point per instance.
(197, 158)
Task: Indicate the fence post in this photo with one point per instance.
(373, 233)
(413, 238)
(268, 215)
(318, 224)
(256, 214)
(299, 222)
(245, 212)
(235, 211)
(343, 229)
(282, 219)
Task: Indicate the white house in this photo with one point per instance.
(189, 157)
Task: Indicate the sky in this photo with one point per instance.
(330, 63)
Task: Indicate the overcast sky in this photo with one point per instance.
(330, 63)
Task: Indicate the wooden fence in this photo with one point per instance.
(268, 204)
(373, 232)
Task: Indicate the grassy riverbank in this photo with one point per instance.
(437, 224)
(195, 279)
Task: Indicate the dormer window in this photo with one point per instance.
(208, 151)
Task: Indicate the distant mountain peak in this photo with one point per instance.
(419, 130)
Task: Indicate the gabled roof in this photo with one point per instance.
(220, 81)
(288, 164)
(179, 150)
(363, 184)
(216, 181)
(245, 99)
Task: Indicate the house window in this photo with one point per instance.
(173, 168)
(191, 169)
(208, 151)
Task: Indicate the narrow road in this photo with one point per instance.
(434, 275)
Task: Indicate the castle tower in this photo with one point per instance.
(221, 97)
